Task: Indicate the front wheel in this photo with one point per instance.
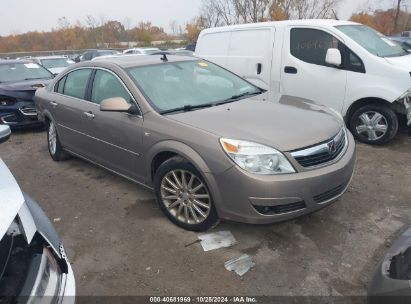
(56, 151)
(374, 124)
(183, 195)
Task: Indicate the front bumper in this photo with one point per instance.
(20, 114)
(261, 199)
(45, 228)
(391, 282)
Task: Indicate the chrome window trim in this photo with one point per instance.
(102, 69)
(321, 148)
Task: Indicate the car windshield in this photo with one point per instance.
(56, 63)
(373, 41)
(190, 84)
(12, 72)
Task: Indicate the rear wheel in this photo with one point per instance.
(183, 195)
(374, 124)
(56, 151)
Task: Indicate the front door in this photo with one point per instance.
(304, 71)
(115, 138)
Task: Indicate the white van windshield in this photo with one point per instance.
(373, 41)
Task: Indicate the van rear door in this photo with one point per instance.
(250, 54)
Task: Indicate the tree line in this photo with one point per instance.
(93, 32)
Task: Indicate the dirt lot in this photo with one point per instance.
(120, 243)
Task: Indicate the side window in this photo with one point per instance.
(311, 45)
(106, 85)
(76, 83)
(59, 88)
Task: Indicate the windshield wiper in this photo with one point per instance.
(187, 108)
(238, 96)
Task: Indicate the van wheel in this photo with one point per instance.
(374, 124)
(183, 195)
(56, 151)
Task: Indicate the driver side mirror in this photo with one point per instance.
(115, 104)
(333, 57)
(5, 133)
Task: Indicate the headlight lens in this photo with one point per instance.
(48, 279)
(405, 95)
(256, 158)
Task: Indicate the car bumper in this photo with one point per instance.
(20, 114)
(390, 283)
(68, 294)
(263, 199)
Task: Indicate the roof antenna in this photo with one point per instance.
(164, 58)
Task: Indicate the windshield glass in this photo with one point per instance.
(175, 85)
(12, 72)
(56, 63)
(373, 41)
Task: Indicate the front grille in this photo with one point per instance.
(322, 153)
(325, 196)
(9, 119)
(280, 209)
(28, 111)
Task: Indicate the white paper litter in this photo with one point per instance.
(216, 240)
(240, 265)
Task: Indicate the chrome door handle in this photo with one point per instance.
(89, 115)
(53, 104)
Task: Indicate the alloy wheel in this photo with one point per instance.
(52, 138)
(372, 124)
(185, 196)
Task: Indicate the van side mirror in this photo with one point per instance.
(5, 133)
(333, 57)
(115, 104)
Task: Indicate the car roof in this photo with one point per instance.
(51, 57)
(135, 61)
(14, 61)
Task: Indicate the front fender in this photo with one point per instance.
(176, 147)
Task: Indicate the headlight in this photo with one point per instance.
(256, 158)
(405, 95)
(47, 283)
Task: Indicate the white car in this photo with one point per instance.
(55, 64)
(142, 51)
(340, 64)
(33, 262)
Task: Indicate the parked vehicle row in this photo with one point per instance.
(340, 64)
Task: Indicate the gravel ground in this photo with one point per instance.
(120, 243)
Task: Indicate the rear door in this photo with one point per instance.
(304, 71)
(114, 138)
(67, 107)
(250, 55)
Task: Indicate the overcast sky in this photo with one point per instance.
(18, 16)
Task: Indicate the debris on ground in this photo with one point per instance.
(216, 240)
(56, 220)
(240, 265)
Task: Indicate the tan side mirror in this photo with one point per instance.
(115, 104)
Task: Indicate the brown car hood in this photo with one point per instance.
(290, 124)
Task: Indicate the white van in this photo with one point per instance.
(344, 65)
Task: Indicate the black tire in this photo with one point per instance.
(57, 154)
(178, 164)
(389, 120)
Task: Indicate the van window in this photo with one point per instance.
(311, 45)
